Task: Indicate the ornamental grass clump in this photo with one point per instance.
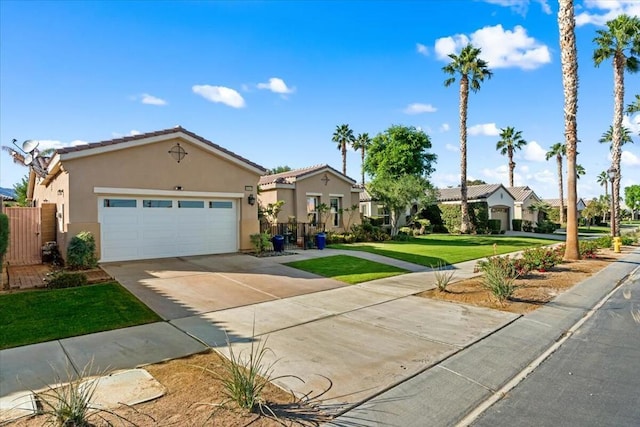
(499, 278)
(443, 275)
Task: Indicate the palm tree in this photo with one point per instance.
(621, 43)
(634, 107)
(569, 61)
(510, 141)
(343, 135)
(362, 143)
(558, 150)
(603, 180)
(625, 137)
(580, 171)
(472, 71)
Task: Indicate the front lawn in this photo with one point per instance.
(45, 315)
(436, 249)
(347, 269)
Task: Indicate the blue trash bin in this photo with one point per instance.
(278, 243)
(321, 240)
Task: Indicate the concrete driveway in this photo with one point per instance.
(181, 287)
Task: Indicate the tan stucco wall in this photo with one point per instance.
(49, 194)
(285, 194)
(147, 167)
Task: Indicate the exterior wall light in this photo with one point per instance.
(251, 199)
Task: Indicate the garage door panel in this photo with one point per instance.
(196, 228)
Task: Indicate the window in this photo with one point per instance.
(119, 203)
(221, 205)
(364, 209)
(334, 205)
(157, 203)
(383, 212)
(312, 209)
(191, 204)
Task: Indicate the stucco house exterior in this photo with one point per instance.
(525, 199)
(158, 194)
(303, 190)
(499, 200)
(555, 203)
(372, 208)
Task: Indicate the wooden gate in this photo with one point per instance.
(25, 236)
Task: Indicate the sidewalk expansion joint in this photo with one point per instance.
(471, 380)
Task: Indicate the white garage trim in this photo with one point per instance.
(166, 193)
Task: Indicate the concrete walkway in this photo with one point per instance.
(411, 360)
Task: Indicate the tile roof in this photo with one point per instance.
(520, 193)
(291, 176)
(176, 130)
(474, 192)
(555, 203)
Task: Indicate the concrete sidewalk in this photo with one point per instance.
(446, 393)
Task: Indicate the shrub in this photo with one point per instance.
(81, 253)
(401, 237)
(512, 267)
(516, 224)
(604, 241)
(542, 259)
(498, 278)
(260, 241)
(588, 248)
(546, 227)
(527, 226)
(424, 225)
(443, 276)
(495, 225)
(4, 236)
(627, 239)
(405, 230)
(65, 279)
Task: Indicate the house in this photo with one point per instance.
(372, 208)
(500, 202)
(304, 190)
(159, 194)
(524, 204)
(555, 203)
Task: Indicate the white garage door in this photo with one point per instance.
(152, 227)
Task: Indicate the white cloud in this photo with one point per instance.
(521, 6)
(145, 98)
(276, 85)
(545, 177)
(500, 48)
(451, 147)
(633, 123)
(134, 132)
(629, 159)
(45, 144)
(534, 152)
(606, 11)
(444, 127)
(422, 49)
(500, 175)
(220, 94)
(444, 180)
(487, 129)
(417, 108)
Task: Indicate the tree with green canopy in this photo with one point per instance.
(471, 71)
(620, 42)
(510, 141)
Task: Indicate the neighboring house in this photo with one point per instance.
(555, 203)
(500, 202)
(159, 194)
(303, 190)
(525, 199)
(372, 208)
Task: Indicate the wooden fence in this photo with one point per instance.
(28, 229)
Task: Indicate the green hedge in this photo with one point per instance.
(452, 217)
(516, 224)
(495, 225)
(81, 253)
(4, 235)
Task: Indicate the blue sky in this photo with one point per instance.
(270, 80)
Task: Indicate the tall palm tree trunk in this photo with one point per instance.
(362, 152)
(569, 60)
(344, 157)
(512, 166)
(560, 188)
(465, 226)
(618, 78)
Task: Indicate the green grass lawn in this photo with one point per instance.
(347, 269)
(435, 249)
(594, 229)
(38, 316)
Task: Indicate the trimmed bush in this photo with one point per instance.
(516, 224)
(81, 253)
(495, 225)
(542, 259)
(627, 239)
(65, 279)
(588, 248)
(4, 236)
(604, 242)
(546, 227)
(527, 226)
